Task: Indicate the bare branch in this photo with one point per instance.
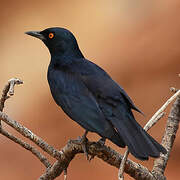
(103, 152)
(28, 134)
(153, 121)
(9, 88)
(174, 90)
(168, 139)
(25, 145)
(70, 150)
(122, 165)
(65, 174)
(155, 118)
(13, 82)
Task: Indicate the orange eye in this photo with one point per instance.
(51, 35)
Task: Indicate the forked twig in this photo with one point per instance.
(108, 155)
(6, 93)
(172, 126)
(155, 118)
(9, 89)
(27, 146)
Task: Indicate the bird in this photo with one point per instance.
(90, 97)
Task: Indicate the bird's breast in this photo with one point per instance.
(63, 84)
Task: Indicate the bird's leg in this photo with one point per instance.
(101, 142)
(82, 141)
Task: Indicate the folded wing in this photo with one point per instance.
(116, 107)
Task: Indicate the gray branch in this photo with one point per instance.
(27, 146)
(172, 126)
(155, 118)
(104, 153)
(107, 154)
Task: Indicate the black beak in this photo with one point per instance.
(36, 34)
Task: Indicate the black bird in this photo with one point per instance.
(89, 96)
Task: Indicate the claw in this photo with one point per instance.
(101, 142)
(85, 150)
(83, 141)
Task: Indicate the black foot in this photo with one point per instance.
(101, 142)
(83, 142)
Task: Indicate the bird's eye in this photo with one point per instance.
(51, 35)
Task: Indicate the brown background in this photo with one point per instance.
(137, 42)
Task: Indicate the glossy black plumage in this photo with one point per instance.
(89, 96)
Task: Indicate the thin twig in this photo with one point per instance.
(28, 134)
(173, 89)
(69, 151)
(9, 88)
(108, 155)
(103, 152)
(27, 146)
(153, 121)
(155, 118)
(4, 96)
(13, 82)
(168, 139)
(65, 174)
(58, 165)
(122, 165)
(6, 93)
(125, 156)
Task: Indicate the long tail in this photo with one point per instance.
(139, 142)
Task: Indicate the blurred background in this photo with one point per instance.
(136, 42)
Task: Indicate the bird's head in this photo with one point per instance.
(59, 41)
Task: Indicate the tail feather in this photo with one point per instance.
(116, 139)
(158, 146)
(139, 142)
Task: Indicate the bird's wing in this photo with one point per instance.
(116, 107)
(101, 84)
(70, 92)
